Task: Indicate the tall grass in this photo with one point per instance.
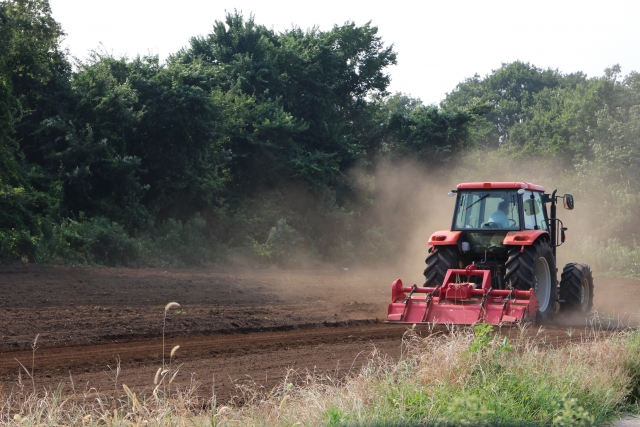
(474, 379)
(464, 377)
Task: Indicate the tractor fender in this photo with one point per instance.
(445, 237)
(524, 237)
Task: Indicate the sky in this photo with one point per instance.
(439, 42)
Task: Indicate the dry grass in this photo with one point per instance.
(455, 378)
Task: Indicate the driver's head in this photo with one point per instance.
(504, 207)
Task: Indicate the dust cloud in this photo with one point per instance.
(411, 203)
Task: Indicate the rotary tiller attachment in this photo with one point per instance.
(459, 302)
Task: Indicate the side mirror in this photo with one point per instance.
(568, 201)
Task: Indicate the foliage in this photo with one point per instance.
(304, 93)
(428, 134)
(91, 241)
(613, 258)
(250, 143)
(188, 243)
(507, 93)
(482, 337)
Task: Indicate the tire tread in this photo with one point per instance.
(520, 271)
(570, 285)
(438, 262)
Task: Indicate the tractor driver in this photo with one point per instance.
(500, 216)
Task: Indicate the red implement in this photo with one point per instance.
(459, 302)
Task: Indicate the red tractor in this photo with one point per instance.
(497, 264)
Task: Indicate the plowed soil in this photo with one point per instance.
(239, 330)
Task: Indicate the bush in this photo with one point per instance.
(284, 246)
(177, 243)
(18, 244)
(99, 241)
(374, 247)
(613, 258)
(92, 241)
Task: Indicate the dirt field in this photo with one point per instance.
(234, 327)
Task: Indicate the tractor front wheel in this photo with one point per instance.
(576, 288)
(441, 259)
(534, 268)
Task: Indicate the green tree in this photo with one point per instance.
(508, 91)
(27, 196)
(38, 73)
(428, 134)
(141, 140)
(319, 80)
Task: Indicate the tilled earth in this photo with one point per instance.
(238, 330)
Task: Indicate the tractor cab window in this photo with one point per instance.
(534, 215)
(481, 210)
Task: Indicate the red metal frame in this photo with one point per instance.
(499, 185)
(444, 237)
(461, 303)
(523, 238)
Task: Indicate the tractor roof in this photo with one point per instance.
(499, 185)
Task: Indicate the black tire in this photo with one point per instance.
(576, 288)
(521, 274)
(438, 262)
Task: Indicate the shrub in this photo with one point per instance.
(613, 258)
(183, 243)
(284, 246)
(18, 244)
(92, 241)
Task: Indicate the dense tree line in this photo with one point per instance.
(243, 143)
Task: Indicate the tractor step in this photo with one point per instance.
(460, 302)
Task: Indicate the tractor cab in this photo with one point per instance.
(504, 210)
(486, 215)
(490, 216)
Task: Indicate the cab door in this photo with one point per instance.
(534, 212)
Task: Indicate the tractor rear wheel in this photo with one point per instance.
(534, 268)
(438, 262)
(576, 288)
